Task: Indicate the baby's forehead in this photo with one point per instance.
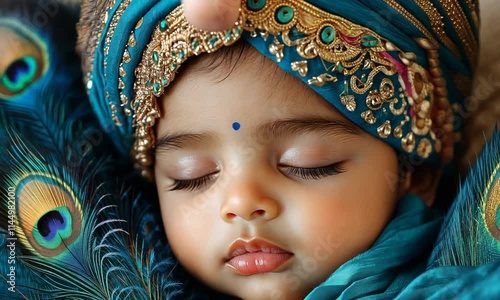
(236, 58)
(241, 64)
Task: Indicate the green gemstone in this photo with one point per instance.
(369, 41)
(340, 67)
(284, 14)
(164, 81)
(156, 58)
(163, 25)
(156, 87)
(256, 5)
(148, 83)
(328, 35)
(237, 31)
(212, 41)
(195, 44)
(182, 54)
(228, 35)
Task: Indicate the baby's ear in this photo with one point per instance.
(423, 181)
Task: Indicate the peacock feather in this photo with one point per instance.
(76, 222)
(77, 233)
(471, 231)
(465, 263)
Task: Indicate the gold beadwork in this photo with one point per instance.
(96, 33)
(126, 56)
(462, 27)
(349, 101)
(300, 66)
(170, 46)
(408, 142)
(322, 79)
(424, 148)
(398, 131)
(131, 40)
(438, 25)
(384, 131)
(369, 117)
(107, 41)
(277, 50)
(122, 72)
(400, 9)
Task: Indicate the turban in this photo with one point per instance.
(401, 70)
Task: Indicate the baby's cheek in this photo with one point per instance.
(190, 235)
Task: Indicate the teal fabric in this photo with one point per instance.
(374, 14)
(105, 80)
(465, 262)
(456, 282)
(397, 257)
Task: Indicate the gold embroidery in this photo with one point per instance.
(408, 142)
(368, 116)
(474, 9)
(172, 42)
(384, 131)
(95, 35)
(126, 58)
(349, 101)
(462, 27)
(300, 66)
(277, 50)
(438, 25)
(400, 9)
(114, 22)
(322, 79)
(424, 148)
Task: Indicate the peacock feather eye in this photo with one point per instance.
(23, 61)
(53, 227)
(20, 74)
(49, 214)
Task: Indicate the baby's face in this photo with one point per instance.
(265, 190)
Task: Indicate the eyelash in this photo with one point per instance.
(315, 173)
(192, 184)
(304, 173)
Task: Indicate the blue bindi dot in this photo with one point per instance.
(236, 126)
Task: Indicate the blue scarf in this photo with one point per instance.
(397, 257)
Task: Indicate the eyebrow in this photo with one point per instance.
(185, 140)
(274, 130)
(288, 127)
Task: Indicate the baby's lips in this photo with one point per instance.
(255, 256)
(240, 247)
(258, 262)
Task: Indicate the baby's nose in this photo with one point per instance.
(247, 200)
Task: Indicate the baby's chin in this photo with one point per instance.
(276, 286)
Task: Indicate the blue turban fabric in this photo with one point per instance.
(399, 22)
